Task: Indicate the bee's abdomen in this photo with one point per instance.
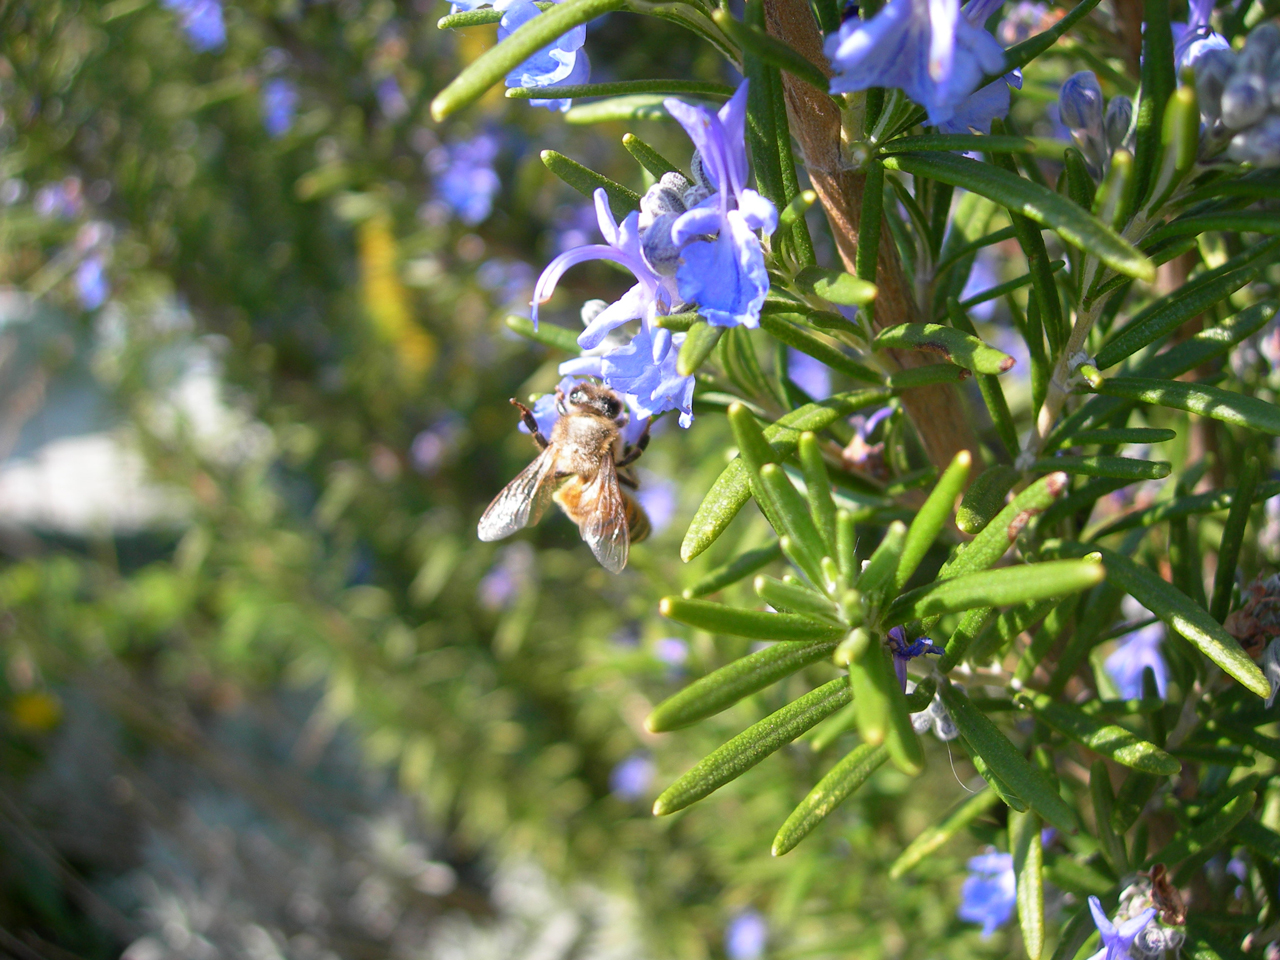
(637, 521)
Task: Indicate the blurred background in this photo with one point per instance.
(263, 693)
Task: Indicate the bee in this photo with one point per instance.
(582, 468)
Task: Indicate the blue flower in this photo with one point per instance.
(465, 178)
(932, 50)
(546, 413)
(672, 651)
(809, 374)
(201, 21)
(989, 893)
(651, 386)
(559, 64)
(511, 573)
(1117, 941)
(745, 936)
(279, 103)
(653, 295)
(630, 779)
(1137, 651)
(391, 99)
(658, 497)
(726, 276)
(988, 103)
(91, 283)
(1191, 40)
(905, 650)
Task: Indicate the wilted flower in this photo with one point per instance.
(905, 650)
(725, 276)
(91, 283)
(932, 50)
(279, 103)
(559, 64)
(201, 21)
(745, 936)
(989, 893)
(464, 177)
(1116, 942)
(1137, 651)
(631, 778)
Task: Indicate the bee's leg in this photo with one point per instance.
(632, 453)
(531, 422)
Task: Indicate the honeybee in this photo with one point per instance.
(582, 468)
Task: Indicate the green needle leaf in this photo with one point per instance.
(1038, 203)
(771, 50)
(997, 536)
(648, 157)
(739, 568)
(494, 64)
(793, 511)
(1123, 468)
(547, 334)
(756, 624)
(963, 142)
(1177, 610)
(933, 514)
(1233, 536)
(1107, 739)
(702, 339)
(732, 489)
(818, 489)
(952, 344)
(722, 688)
(796, 337)
(1123, 435)
(995, 588)
(836, 286)
(586, 181)
(985, 497)
(1028, 864)
(795, 598)
(845, 777)
(1233, 408)
(1206, 835)
(878, 574)
(933, 838)
(881, 706)
(752, 745)
(1026, 780)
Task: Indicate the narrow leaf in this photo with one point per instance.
(1027, 781)
(1038, 203)
(722, 688)
(836, 286)
(547, 334)
(995, 588)
(495, 63)
(702, 339)
(756, 624)
(771, 50)
(985, 497)
(795, 598)
(1206, 835)
(793, 511)
(817, 483)
(878, 574)
(1028, 864)
(997, 536)
(845, 777)
(1122, 468)
(1177, 610)
(1122, 435)
(932, 515)
(752, 745)
(1106, 739)
(1200, 503)
(586, 181)
(932, 839)
(1233, 536)
(1233, 408)
(1103, 808)
(739, 568)
(952, 344)
(798, 338)
(648, 157)
(962, 142)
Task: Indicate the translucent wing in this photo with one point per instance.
(522, 501)
(604, 522)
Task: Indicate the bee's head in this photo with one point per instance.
(592, 398)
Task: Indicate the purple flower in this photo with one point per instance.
(651, 386)
(391, 99)
(464, 177)
(932, 50)
(809, 374)
(433, 447)
(905, 650)
(978, 110)
(657, 495)
(509, 280)
(1117, 941)
(91, 283)
(201, 21)
(745, 936)
(651, 296)
(982, 276)
(279, 103)
(989, 893)
(726, 276)
(63, 199)
(559, 64)
(1191, 40)
(630, 779)
(1136, 652)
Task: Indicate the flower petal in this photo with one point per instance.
(702, 220)
(758, 212)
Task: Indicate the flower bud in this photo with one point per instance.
(1213, 71)
(1080, 103)
(665, 196)
(659, 250)
(699, 172)
(1259, 146)
(1116, 122)
(1259, 48)
(1244, 101)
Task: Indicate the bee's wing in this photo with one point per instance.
(522, 501)
(604, 521)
